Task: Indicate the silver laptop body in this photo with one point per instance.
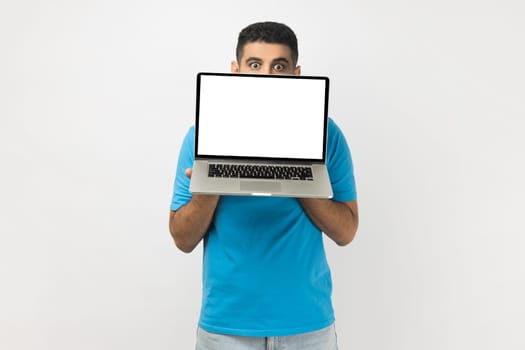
(261, 135)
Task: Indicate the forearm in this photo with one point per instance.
(191, 222)
(337, 220)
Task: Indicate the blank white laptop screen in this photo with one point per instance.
(261, 117)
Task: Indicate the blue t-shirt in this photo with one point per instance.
(264, 266)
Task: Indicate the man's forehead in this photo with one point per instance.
(266, 51)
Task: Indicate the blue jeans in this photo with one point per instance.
(323, 339)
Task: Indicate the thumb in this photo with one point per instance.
(188, 172)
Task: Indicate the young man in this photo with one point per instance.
(266, 281)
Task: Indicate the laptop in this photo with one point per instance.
(261, 135)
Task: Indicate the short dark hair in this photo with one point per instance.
(268, 32)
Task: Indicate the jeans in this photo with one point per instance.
(323, 339)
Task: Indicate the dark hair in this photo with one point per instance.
(268, 32)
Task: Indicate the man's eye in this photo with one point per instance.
(255, 65)
(279, 67)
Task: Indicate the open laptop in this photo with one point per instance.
(261, 135)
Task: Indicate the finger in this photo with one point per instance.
(188, 172)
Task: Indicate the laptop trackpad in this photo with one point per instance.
(260, 186)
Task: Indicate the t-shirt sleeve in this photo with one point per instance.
(340, 166)
(181, 187)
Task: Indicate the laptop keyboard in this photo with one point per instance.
(260, 171)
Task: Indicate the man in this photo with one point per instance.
(266, 281)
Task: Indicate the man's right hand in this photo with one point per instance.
(191, 222)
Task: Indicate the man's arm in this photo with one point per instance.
(191, 222)
(339, 220)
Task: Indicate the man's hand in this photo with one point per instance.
(191, 222)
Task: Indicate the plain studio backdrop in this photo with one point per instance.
(96, 96)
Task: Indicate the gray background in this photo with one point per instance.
(97, 95)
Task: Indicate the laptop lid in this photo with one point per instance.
(261, 117)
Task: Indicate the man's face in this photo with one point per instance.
(264, 58)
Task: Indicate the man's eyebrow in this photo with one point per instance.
(281, 59)
(253, 59)
(278, 59)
